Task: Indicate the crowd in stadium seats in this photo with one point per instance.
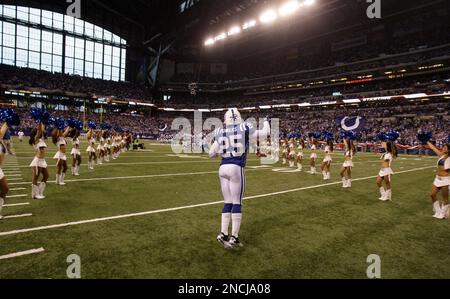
(20, 78)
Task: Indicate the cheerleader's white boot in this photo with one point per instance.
(436, 209)
(61, 179)
(57, 181)
(444, 212)
(300, 167)
(383, 194)
(344, 183)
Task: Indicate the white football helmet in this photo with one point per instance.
(233, 117)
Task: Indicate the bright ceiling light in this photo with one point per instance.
(235, 30)
(249, 24)
(220, 36)
(268, 16)
(309, 2)
(289, 8)
(209, 42)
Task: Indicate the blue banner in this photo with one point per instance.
(352, 123)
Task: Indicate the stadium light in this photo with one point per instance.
(249, 24)
(309, 2)
(220, 36)
(235, 30)
(289, 8)
(268, 16)
(209, 42)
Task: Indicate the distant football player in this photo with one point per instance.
(232, 144)
(21, 134)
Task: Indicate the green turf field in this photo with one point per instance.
(153, 215)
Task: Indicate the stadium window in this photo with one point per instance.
(89, 69)
(98, 56)
(35, 16)
(79, 26)
(8, 56)
(42, 49)
(68, 23)
(79, 67)
(47, 18)
(98, 32)
(107, 55)
(57, 44)
(89, 56)
(57, 63)
(9, 35)
(69, 62)
(9, 11)
(23, 14)
(115, 74)
(107, 72)
(58, 21)
(116, 57)
(89, 29)
(98, 71)
(22, 58)
(34, 61)
(79, 48)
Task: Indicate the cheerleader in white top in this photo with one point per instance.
(441, 182)
(76, 152)
(101, 147)
(313, 156)
(346, 171)
(92, 153)
(38, 165)
(291, 154)
(4, 188)
(59, 139)
(108, 147)
(326, 163)
(300, 147)
(385, 174)
(284, 152)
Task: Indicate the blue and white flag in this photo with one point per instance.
(352, 123)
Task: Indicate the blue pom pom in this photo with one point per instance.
(60, 123)
(392, 136)
(424, 137)
(92, 125)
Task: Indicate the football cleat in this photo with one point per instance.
(234, 243)
(223, 239)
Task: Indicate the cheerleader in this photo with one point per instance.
(326, 163)
(108, 146)
(38, 165)
(301, 146)
(4, 189)
(76, 153)
(386, 172)
(284, 153)
(313, 157)
(441, 182)
(91, 149)
(291, 155)
(59, 139)
(101, 147)
(346, 172)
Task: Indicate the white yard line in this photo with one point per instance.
(17, 216)
(17, 204)
(41, 228)
(16, 196)
(17, 189)
(22, 253)
(137, 177)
